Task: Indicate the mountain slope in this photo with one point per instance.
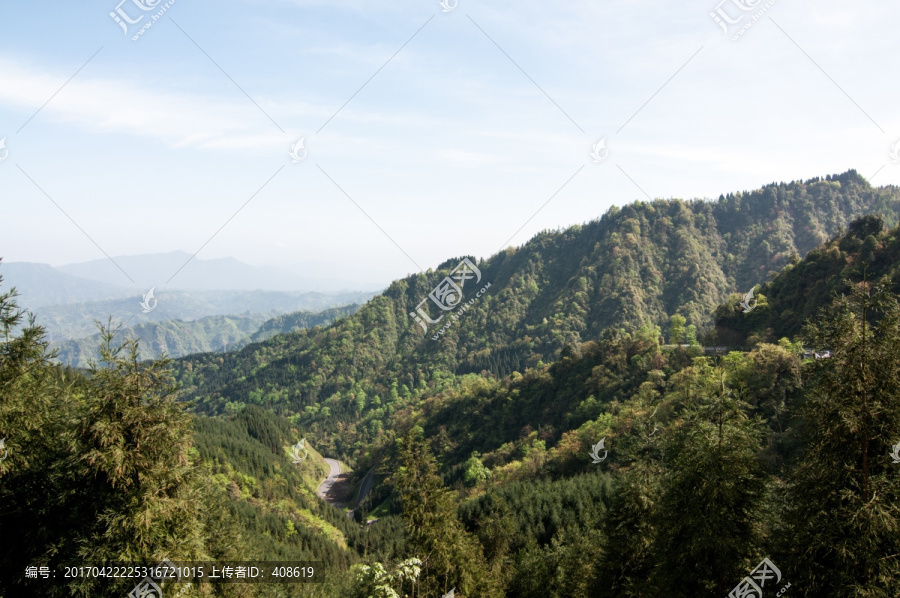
(635, 266)
(301, 320)
(867, 250)
(212, 334)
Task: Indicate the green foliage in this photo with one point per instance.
(843, 503)
(106, 468)
(100, 465)
(867, 250)
(710, 490)
(676, 329)
(376, 581)
(630, 269)
(475, 472)
(450, 556)
(713, 463)
(134, 441)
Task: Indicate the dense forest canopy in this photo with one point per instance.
(637, 266)
(717, 469)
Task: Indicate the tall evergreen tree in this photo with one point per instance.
(843, 501)
(35, 480)
(628, 529)
(451, 557)
(707, 520)
(136, 437)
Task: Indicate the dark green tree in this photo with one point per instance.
(707, 519)
(628, 529)
(451, 557)
(843, 499)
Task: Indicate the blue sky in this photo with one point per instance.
(487, 112)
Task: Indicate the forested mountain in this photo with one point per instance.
(544, 446)
(301, 320)
(869, 250)
(110, 468)
(213, 334)
(636, 266)
(77, 320)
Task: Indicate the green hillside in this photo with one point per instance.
(567, 437)
(213, 334)
(868, 251)
(636, 266)
(301, 320)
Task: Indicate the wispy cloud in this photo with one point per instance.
(118, 106)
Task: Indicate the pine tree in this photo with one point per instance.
(843, 501)
(36, 482)
(628, 529)
(450, 556)
(135, 438)
(707, 519)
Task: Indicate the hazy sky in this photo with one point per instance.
(429, 134)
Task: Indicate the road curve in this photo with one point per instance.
(324, 489)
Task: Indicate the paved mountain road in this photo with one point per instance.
(334, 488)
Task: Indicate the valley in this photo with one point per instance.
(477, 454)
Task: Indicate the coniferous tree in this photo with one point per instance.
(136, 437)
(36, 483)
(843, 501)
(450, 556)
(628, 529)
(707, 519)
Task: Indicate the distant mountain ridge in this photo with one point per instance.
(102, 280)
(211, 334)
(42, 284)
(67, 301)
(74, 321)
(187, 273)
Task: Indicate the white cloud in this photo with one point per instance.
(118, 106)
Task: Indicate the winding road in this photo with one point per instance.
(333, 488)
